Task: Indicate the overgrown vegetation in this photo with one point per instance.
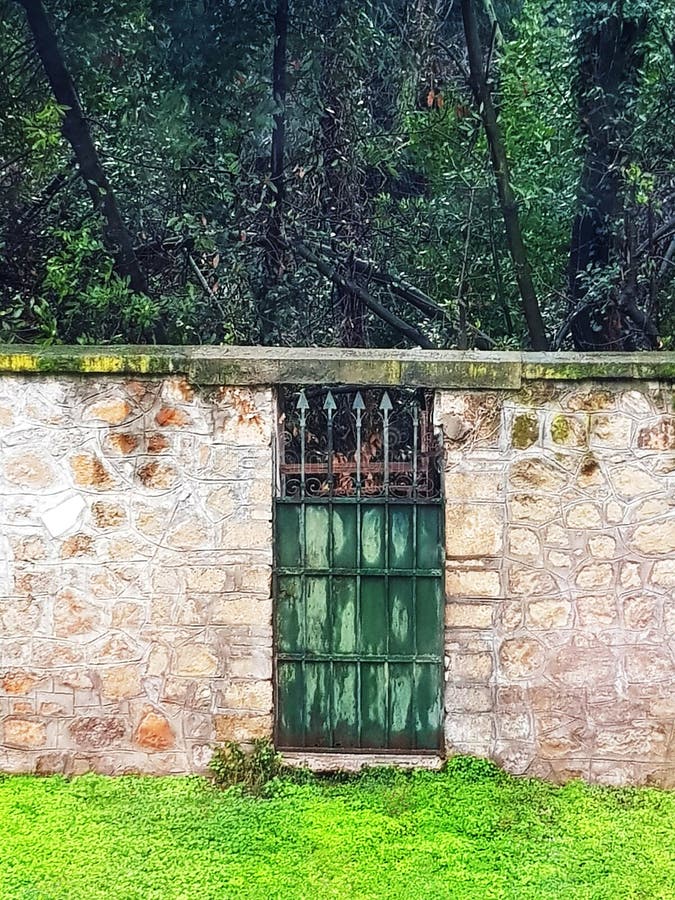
(232, 764)
(331, 172)
(469, 832)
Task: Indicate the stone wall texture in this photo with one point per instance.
(135, 571)
(136, 558)
(560, 615)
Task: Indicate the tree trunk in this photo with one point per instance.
(495, 27)
(405, 329)
(274, 248)
(610, 57)
(342, 197)
(76, 131)
(279, 130)
(507, 200)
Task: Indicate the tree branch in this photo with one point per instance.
(667, 267)
(329, 271)
(75, 129)
(403, 290)
(206, 287)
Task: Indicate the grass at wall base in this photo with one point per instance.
(468, 832)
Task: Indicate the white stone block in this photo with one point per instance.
(62, 517)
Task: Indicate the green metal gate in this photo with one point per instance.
(359, 596)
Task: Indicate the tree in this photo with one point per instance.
(509, 207)
(603, 278)
(76, 131)
(287, 168)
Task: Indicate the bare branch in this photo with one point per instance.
(329, 271)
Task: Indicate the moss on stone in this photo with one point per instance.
(560, 429)
(524, 431)
(589, 366)
(285, 365)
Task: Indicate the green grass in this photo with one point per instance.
(468, 832)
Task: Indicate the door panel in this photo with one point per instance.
(359, 648)
(373, 632)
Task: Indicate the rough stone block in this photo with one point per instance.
(521, 657)
(546, 614)
(584, 515)
(530, 582)
(594, 575)
(613, 430)
(474, 530)
(536, 474)
(473, 699)
(24, 734)
(535, 509)
(246, 609)
(524, 542)
(663, 574)
(470, 583)
(120, 682)
(630, 482)
(655, 538)
(195, 660)
(597, 610)
(248, 695)
(241, 727)
(29, 470)
(464, 730)
(468, 615)
(469, 667)
(472, 485)
(112, 411)
(88, 471)
(154, 732)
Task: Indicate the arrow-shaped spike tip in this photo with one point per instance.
(303, 403)
(358, 402)
(386, 404)
(329, 403)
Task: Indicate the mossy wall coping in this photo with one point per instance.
(309, 365)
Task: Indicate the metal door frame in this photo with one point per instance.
(361, 504)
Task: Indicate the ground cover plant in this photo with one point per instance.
(468, 832)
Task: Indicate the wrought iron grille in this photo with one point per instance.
(358, 572)
(359, 444)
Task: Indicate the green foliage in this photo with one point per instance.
(88, 301)
(540, 124)
(473, 769)
(43, 128)
(385, 159)
(253, 769)
(461, 834)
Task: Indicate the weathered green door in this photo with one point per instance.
(359, 613)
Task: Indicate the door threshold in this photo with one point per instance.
(327, 761)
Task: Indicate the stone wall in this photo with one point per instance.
(136, 554)
(560, 616)
(135, 564)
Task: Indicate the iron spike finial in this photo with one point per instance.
(358, 403)
(385, 404)
(303, 402)
(329, 404)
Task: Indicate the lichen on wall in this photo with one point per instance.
(560, 616)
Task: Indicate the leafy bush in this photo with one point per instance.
(231, 764)
(473, 768)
